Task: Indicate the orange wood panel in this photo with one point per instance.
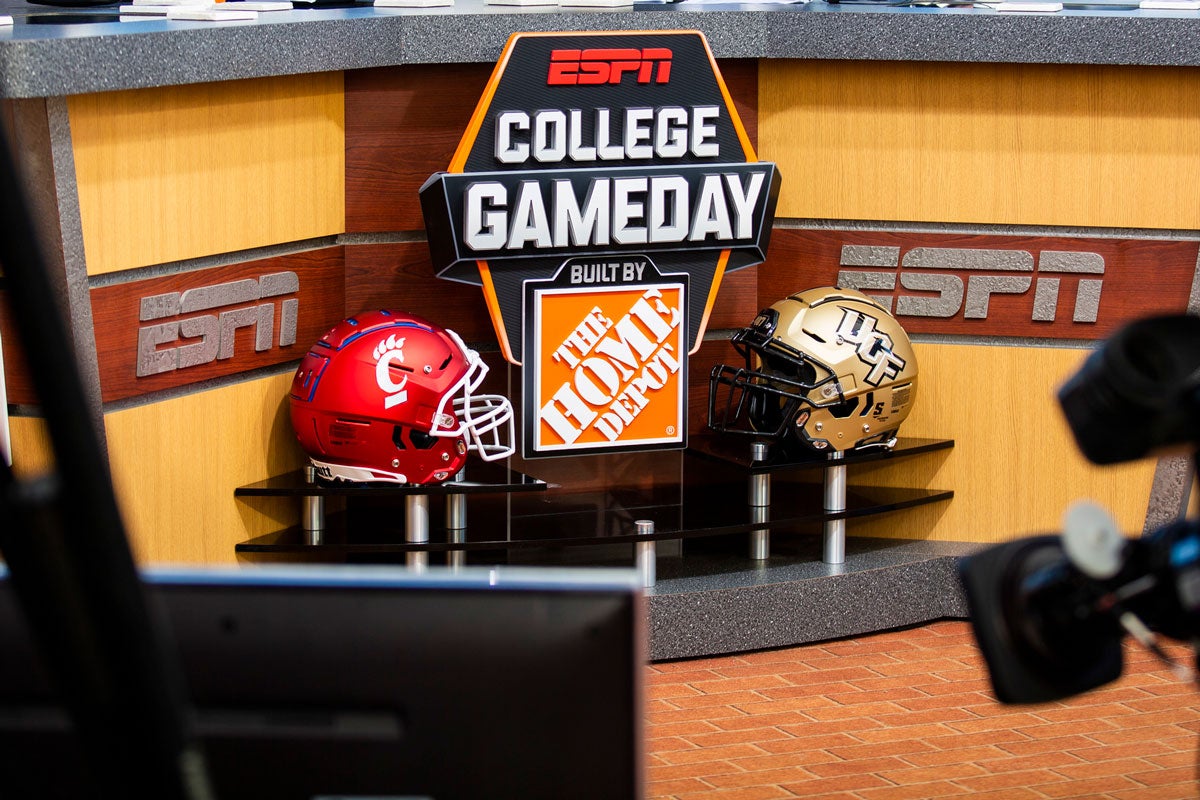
(1022, 144)
(177, 172)
(176, 463)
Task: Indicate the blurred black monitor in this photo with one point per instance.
(382, 683)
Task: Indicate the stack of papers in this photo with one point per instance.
(1171, 5)
(412, 3)
(1031, 5)
(203, 10)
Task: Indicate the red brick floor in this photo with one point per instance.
(909, 715)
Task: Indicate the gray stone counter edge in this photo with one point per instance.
(53, 60)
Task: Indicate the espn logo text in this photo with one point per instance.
(609, 66)
(207, 337)
(929, 270)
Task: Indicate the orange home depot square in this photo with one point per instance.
(610, 367)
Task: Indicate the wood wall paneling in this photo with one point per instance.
(399, 276)
(1109, 146)
(403, 125)
(1014, 467)
(741, 79)
(18, 383)
(117, 307)
(176, 463)
(737, 300)
(179, 172)
(32, 453)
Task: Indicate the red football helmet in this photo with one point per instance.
(390, 397)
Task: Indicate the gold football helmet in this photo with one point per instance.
(829, 368)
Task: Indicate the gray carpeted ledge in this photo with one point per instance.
(713, 605)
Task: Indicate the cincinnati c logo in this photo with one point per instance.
(387, 352)
(872, 346)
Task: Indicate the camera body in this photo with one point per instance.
(1048, 613)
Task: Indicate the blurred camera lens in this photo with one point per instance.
(1139, 392)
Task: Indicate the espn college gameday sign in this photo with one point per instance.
(603, 188)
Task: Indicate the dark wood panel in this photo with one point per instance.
(737, 300)
(117, 309)
(400, 276)
(404, 123)
(741, 79)
(18, 384)
(1137, 277)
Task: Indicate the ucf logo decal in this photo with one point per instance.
(872, 346)
(601, 170)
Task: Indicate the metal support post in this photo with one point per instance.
(312, 512)
(835, 501)
(416, 529)
(456, 528)
(645, 555)
(760, 505)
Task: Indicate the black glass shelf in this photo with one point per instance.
(700, 513)
(736, 451)
(483, 477)
(706, 496)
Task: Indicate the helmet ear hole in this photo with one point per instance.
(422, 440)
(844, 409)
(398, 437)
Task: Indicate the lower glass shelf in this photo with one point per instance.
(483, 477)
(588, 519)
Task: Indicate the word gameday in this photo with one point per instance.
(199, 326)
(614, 369)
(695, 207)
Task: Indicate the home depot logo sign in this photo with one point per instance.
(603, 189)
(615, 366)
